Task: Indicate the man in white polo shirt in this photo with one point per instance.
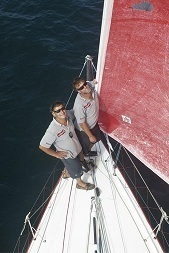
(86, 111)
(61, 134)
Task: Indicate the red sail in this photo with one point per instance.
(134, 92)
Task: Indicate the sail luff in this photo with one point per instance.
(105, 28)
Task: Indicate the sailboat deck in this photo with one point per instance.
(83, 221)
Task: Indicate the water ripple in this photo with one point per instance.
(42, 47)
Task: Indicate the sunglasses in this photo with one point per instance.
(82, 87)
(59, 110)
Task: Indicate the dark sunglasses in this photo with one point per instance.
(82, 87)
(59, 110)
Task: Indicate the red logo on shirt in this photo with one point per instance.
(61, 133)
(87, 105)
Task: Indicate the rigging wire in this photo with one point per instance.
(142, 179)
(135, 167)
(113, 186)
(49, 178)
(112, 150)
(52, 173)
(101, 217)
(100, 213)
(86, 59)
(58, 160)
(163, 214)
(112, 189)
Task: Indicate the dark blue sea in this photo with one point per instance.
(42, 47)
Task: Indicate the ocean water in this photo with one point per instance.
(42, 48)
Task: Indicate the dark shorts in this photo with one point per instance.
(84, 139)
(73, 166)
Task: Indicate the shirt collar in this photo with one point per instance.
(59, 124)
(93, 95)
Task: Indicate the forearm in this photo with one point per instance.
(48, 151)
(58, 154)
(86, 129)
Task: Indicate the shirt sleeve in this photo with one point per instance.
(71, 114)
(80, 114)
(47, 140)
(91, 84)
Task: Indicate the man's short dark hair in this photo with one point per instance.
(55, 104)
(76, 81)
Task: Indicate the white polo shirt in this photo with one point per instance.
(86, 110)
(58, 135)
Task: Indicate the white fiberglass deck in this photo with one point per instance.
(67, 225)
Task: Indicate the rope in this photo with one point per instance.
(86, 59)
(103, 237)
(142, 179)
(112, 187)
(50, 211)
(20, 236)
(164, 216)
(117, 156)
(52, 173)
(102, 214)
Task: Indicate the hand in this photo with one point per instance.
(95, 81)
(61, 154)
(92, 139)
